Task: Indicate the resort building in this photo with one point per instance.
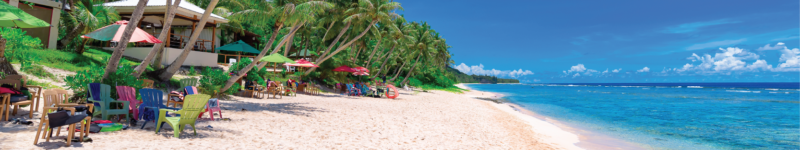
(47, 10)
(187, 17)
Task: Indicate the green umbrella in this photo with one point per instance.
(11, 16)
(239, 46)
(276, 58)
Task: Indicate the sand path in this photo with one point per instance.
(416, 120)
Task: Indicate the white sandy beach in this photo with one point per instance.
(416, 120)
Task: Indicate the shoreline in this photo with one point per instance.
(585, 139)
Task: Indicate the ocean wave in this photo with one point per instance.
(694, 87)
(743, 91)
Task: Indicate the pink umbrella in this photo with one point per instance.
(114, 32)
(301, 63)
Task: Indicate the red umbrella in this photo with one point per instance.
(114, 32)
(344, 69)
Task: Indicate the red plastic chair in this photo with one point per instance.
(211, 107)
(127, 93)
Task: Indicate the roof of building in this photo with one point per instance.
(185, 8)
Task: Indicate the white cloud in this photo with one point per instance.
(576, 75)
(645, 69)
(715, 44)
(730, 59)
(778, 46)
(479, 70)
(790, 59)
(616, 70)
(577, 68)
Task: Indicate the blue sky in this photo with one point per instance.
(586, 41)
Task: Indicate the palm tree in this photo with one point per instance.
(157, 48)
(89, 15)
(113, 62)
(175, 65)
(366, 11)
(395, 37)
(287, 12)
(421, 43)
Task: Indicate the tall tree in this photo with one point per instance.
(287, 12)
(157, 48)
(175, 65)
(89, 15)
(381, 11)
(113, 62)
(421, 43)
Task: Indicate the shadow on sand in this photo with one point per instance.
(286, 108)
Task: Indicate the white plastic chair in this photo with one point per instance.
(231, 61)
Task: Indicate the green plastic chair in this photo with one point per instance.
(192, 107)
(102, 97)
(188, 82)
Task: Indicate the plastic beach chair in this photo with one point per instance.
(188, 114)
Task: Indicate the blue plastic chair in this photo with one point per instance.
(152, 101)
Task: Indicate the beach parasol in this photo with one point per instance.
(360, 73)
(114, 32)
(343, 69)
(276, 58)
(361, 69)
(302, 63)
(239, 47)
(11, 16)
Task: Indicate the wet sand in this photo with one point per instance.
(587, 139)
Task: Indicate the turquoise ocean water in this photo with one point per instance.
(671, 115)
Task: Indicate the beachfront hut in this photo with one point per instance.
(187, 17)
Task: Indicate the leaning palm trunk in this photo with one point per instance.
(336, 40)
(283, 41)
(288, 46)
(71, 35)
(175, 65)
(113, 62)
(247, 68)
(375, 49)
(163, 37)
(5, 66)
(384, 61)
(412, 68)
(82, 47)
(342, 47)
(397, 72)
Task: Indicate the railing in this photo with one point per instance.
(226, 58)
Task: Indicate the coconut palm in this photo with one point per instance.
(286, 13)
(157, 48)
(421, 43)
(113, 62)
(372, 11)
(89, 15)
(176, 64)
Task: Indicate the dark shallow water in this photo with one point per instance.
(671, 116)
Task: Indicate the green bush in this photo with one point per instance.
(213, 80)
(122, 77)
(192, 72)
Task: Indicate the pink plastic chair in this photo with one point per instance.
(211, 107)
(127, 93)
